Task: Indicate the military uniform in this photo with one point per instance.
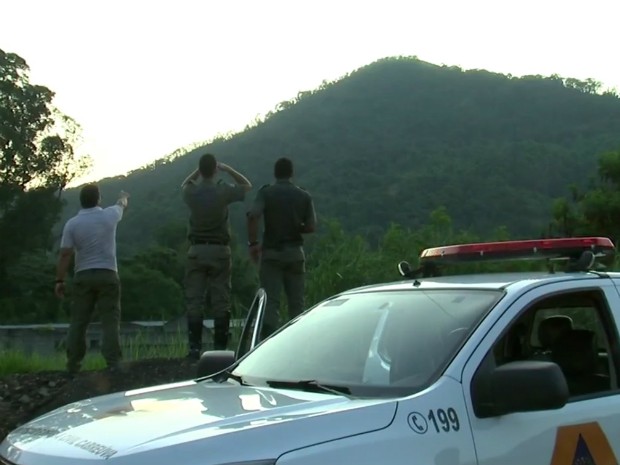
(209, 259)
(286, 209)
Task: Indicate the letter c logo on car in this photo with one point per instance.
(417, 422)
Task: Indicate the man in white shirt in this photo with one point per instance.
(91, 237)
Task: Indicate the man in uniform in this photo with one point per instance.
(91, 236)
(288, 212)
(209, 259)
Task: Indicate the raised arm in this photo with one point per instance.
(240, 179)
(123, 198)
(115, 212)
(192, 177)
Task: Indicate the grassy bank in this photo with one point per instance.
(135, 348)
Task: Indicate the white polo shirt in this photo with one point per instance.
(92, 235)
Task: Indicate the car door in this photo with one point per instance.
(616, 282)
(586, 429)
(250, 335)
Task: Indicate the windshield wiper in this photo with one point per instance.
(311, 385)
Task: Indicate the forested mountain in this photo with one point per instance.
(394, 140)
(448, 155)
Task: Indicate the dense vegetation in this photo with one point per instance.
(395, 140)
(37, 161)
(399, 155)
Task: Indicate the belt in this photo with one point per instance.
(205, 241)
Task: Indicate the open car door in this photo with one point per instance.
(214, 361)
(250, 336)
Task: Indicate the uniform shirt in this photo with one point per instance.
(92, 235)
(286, 208)
(208, 204)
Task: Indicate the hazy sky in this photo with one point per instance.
(144, 78)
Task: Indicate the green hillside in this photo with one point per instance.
(398, 138)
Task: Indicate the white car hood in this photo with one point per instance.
(135, 424)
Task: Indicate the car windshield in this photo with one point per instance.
(369, 344)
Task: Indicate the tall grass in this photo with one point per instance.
(134, 348)
(14, 361)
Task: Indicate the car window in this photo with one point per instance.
(573, 330)
(371, 341)
(586, 318)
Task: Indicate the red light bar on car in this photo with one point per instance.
(565, 248)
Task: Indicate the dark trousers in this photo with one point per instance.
(95, 289)
(277, 275)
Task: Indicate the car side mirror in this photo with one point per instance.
(214, 361)
(522, 386)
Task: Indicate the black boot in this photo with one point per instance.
(194, 336)
(221, 327)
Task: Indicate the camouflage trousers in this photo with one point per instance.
(208, 270)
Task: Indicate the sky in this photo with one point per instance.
(144, 78)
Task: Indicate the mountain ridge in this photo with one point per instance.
(398, 138)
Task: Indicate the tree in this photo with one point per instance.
(37, 161)
(596, 210)
(148, 294)
(32, 299)
(589, 86)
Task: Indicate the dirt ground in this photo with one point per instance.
(25, 396)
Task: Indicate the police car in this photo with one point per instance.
(502, 368)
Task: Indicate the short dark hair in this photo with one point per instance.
(89, 196)
(207, 165)
(283, 168)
